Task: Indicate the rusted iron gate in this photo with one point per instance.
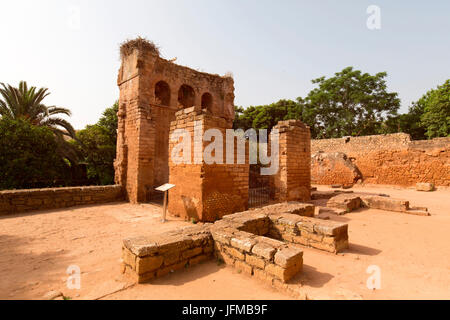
(259, 188)
(259, 196)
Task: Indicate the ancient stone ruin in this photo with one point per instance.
(158, 97)
(152, 91)
(392, 159)
(259, 243)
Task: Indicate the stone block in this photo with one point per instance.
(284, 274)
(288, 257)
(255, 261)
(263, 276)
(426, 187)
(264, 250)
(129, 258)
(243, 267)
(348, 202)
(384, 203)
(199, 259)
(243, 244)
(235, 253)
(148, 264)
(192, 253)
(171, 258)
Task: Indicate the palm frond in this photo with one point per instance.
(58, 110)
(54, 123)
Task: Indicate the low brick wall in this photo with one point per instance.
(146, 258)
(349, 202)
(324, 235)
(244, 241)
(265, 258)
(18, 201)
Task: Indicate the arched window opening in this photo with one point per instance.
(186, 96)
(207, 102)
(162, 93)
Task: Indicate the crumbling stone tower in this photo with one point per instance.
(152, 90)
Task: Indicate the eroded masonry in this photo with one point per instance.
(157, 97)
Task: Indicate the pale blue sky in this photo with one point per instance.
(273, 48)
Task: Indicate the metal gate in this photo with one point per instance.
(259, 188)
(258, 196)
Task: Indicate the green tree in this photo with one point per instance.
(97, 146)
(410, 122)
(28, 158)
(27, 103)
(109, 121)
(351, 103)
(436, 111)
(267, 116)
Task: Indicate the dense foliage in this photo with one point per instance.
(352, 103)
(26, 103)
(96, 146)
(436, 111)
(28, 158)
(40, 149)
(35, 151)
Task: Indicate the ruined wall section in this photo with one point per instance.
(152, 90)
(392, 159)
(205, 192)
(19, 201)
(293, 181)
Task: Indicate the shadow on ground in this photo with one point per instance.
(34, 271)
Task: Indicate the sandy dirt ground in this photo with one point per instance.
(412, 253)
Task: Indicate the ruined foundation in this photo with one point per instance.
(263, 243)
(157, 98)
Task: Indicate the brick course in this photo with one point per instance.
(240, 241)
(387, 159)
(18, 201)
(205, 192)
(293, 181)
(145, 114)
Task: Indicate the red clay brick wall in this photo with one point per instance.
(143, 137)
(18, 201)
(394, 159)
(293, 181)
(206, 192)
(333, 169)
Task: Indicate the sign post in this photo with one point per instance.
(165, 188)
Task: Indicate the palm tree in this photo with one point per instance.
(26, 103)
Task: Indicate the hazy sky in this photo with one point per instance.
(273, 48)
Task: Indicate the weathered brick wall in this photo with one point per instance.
(334, 168)
(18, 201)
(136, 132)
(319, 234)
(242, 241)
(392, 159)
(259, 256)
(293, 181)
(205, 192)
(146, 258)
(145, 113)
